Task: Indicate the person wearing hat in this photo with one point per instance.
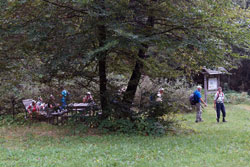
(159, 95)
(88, 98)
(199, 100)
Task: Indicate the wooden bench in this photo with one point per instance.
(26, 103)
(54, 116)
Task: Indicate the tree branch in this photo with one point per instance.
(66, 7)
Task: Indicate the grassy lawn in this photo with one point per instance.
(212, 144)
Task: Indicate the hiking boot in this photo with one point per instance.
(196, 121)
(224, 120)
(218, 120)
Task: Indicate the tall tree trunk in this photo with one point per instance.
(133, 83)
(102, 64)
(134, 80)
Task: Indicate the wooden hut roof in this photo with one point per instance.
(218, 71)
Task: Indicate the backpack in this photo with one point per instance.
(217, 93)
(153, 97)
(68, 96)
(192, 99)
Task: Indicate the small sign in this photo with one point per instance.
(212, 84)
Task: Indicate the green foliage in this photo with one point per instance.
(62, 42)
(118, 125)
(232, 97)
(176, 94)
(60, 39)
(139, 126)
(237, 98)
(8, 120)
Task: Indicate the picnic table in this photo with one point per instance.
(86, 109)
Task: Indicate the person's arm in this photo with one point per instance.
(203, 102)
(223, 97)
(50, 105)
(28, 109)
(215, 99)
(214, 103)
(37, 109)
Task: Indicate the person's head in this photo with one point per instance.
(40, 98)
(88, 93)
(51, 97)
(219, 89)
(199, 88)
(161, 90)
(33, 102)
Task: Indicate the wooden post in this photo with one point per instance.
(13, 106)
(218, 82)
(205, 87)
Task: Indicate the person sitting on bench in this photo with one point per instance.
(88, 98)
(40, 104)
(33, 109)
(52, 103)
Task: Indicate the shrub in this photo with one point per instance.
(19, 119)
(176, 93)
(139, 126)
(232, 97)
(236, 98)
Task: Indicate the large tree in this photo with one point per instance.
(92, 39)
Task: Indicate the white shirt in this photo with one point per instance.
(159, 97)
(220, 97)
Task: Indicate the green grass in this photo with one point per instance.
(211, 144)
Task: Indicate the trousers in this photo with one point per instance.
(64, 103)
(220, 107)
(198, 112)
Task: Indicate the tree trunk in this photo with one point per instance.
(133, 83)
(102, 65)
(129, 95)
(103, 85)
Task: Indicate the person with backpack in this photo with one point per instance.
(157, 97)
(219, 104)
(198, 100)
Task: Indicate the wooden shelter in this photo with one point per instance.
(212, 79)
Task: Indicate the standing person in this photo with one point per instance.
(64, 95)
(219, 104)
(159, 95)
(198, 100)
